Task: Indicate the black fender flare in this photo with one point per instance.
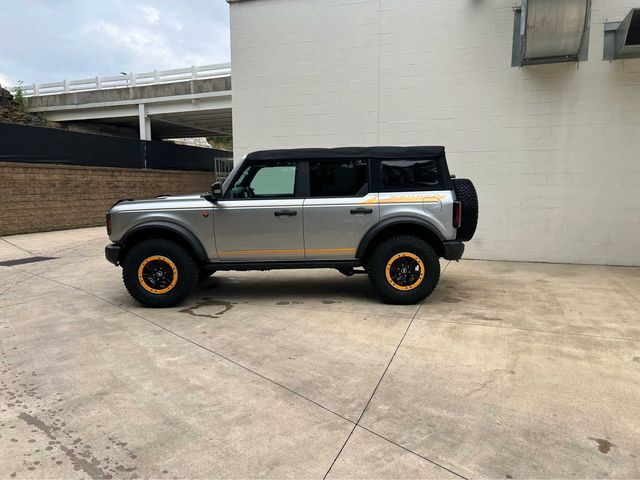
(401, 220)
(175, 228)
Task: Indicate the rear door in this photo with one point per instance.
(260, 218)
(339, 209)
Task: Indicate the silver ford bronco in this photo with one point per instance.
(391, 212)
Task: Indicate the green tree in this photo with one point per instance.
(18, 98)
(221, 142)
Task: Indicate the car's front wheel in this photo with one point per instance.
(404, 269)
(159, 273)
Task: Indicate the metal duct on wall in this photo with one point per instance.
(622, 39)
(628, 35)
(553, 28)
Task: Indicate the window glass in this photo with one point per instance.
(338, 178)
(409, 174)
(271, 180)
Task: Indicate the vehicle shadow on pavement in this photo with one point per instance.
(281, 288)
(256, 287)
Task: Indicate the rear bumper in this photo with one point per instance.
(453, 250)
(112, 252)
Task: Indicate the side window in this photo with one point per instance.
(268, 180)
(409, 175)
(338, 178)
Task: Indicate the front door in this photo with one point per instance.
(339, 210)
(260, 217)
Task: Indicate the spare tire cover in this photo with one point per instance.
(466, 194)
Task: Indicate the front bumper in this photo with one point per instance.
(453, 250)
(112, 252)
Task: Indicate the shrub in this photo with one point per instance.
(18, 98)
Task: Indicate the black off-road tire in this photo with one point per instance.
(467, 195)
(185, 268)
(410, 246)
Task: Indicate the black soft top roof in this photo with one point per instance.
(348, 152)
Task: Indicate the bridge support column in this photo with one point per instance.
(145, 122)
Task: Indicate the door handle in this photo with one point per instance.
(361, 211)
(285, 213)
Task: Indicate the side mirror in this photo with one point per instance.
(216, 190)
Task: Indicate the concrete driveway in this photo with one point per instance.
(509, 370)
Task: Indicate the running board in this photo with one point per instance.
(342, 264)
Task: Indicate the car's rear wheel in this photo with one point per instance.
(159, 273)
(404, 269)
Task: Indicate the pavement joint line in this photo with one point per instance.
(29, 277)
(357, 424)
(371, 397)
(74, 246)
(244, 367)
(535, 330)
(124, 310)
(409, 450)
(16, 246)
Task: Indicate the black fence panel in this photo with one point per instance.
(30, 144)
(170, 156)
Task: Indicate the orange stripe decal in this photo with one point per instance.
(330, 250)
(285, 252)
(404, 199)
(259, 252)
(413, 199)
(370, 201)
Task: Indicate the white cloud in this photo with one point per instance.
(5, 82)
(150, 13)
(103, 38)
(177, 24)
(146, 46)
(150, 47)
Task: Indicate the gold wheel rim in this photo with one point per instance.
(150, 288)
(411, 286)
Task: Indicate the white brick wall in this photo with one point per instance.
(552, 149)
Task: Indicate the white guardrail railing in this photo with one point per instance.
(125, 80)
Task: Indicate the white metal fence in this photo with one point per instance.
(125, 80)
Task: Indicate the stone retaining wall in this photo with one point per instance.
(38, 198)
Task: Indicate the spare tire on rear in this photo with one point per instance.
(466, 194)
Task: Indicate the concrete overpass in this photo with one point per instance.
(186, 102)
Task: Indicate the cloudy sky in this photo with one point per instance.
(52, 40)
